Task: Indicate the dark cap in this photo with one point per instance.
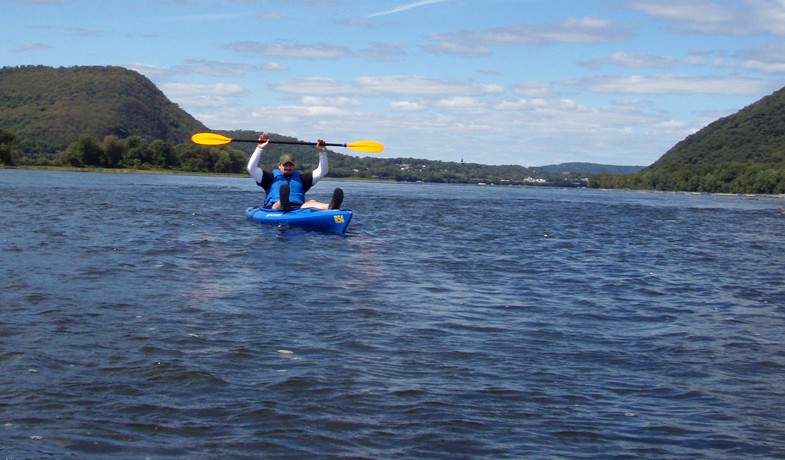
(286, 158)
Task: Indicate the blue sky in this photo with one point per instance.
(527, 82)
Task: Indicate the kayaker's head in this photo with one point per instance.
(286, 164)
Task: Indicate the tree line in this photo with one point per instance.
(134, 152)
(730, 177)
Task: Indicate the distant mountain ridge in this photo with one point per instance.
(49, 108)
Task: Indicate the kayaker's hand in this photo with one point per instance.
(264, 139)
(321, 145)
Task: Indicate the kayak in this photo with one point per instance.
(329, 220)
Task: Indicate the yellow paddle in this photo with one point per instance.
(218, 139)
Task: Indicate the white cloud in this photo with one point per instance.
(747, 17)
(290, 51)
(213, 68)
(176, 89)
(413, 85)
(385, 85)
(678, 84)
(208, 68)
(274, 67)
(572, 30)
(694, 16)
(390, 51)
(534, 89)
(462, 103)
(762, 66)
(332, 101)
(312, 86)
(461, 49)
(627, 60)
(29, 47)
(768, 59)
(768, 16)
(408, 106)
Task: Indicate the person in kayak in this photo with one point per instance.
(285, 188)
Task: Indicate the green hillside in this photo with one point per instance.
(740, 153)
(49, 108)
(755, 134)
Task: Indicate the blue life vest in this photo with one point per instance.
(296, 189)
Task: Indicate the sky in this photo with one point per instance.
(498, 82)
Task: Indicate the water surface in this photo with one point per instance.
(142, 316)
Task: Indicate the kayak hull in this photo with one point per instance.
(330, 220)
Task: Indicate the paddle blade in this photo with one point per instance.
(210, 139)
(366, 146)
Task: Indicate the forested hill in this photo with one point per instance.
(740, 153)
(49, 108)
(755, 134)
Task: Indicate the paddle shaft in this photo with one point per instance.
(287, 142)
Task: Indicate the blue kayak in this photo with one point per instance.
(330, 220)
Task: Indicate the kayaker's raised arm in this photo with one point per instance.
(264, 139)
(253, 163)
(323, 167)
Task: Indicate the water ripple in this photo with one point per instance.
(145, 318)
